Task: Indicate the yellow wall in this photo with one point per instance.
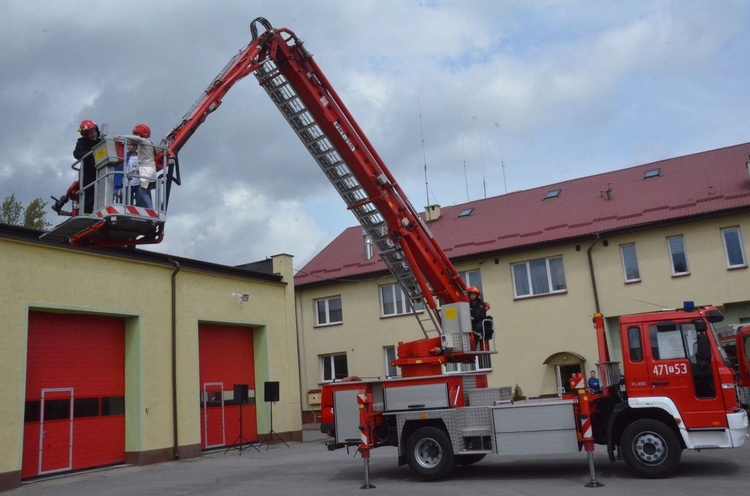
(39, 277)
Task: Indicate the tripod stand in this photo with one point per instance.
(271, 433)
(241, 440)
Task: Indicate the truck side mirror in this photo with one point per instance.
(700, 325)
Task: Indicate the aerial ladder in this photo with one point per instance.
(304, 96)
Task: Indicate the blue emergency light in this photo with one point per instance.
(688, 306)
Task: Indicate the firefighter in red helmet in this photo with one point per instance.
(90, 136)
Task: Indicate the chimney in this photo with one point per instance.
(368, 245)
(431, 212)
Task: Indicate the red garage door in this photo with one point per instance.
(75, 393)
(226, 361)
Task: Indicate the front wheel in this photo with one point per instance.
(430, 453)
(651, 448)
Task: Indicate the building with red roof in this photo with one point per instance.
(547, 258)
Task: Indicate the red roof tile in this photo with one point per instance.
(688, 186)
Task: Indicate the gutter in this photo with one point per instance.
(176, 445)
(591, 272)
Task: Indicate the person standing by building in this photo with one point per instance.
(594, 385)
(90, 137)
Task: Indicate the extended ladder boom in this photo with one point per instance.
(295, 83)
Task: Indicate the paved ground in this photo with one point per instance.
(309, 469)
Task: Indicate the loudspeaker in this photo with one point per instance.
(240, 393)
(271, 391)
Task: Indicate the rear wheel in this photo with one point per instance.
(430, 453)
(651, 448)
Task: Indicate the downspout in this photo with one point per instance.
(591, 271)
(176, 452)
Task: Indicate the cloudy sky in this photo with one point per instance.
(553, 89)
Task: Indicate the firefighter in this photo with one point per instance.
(90, 136)
(478, 314)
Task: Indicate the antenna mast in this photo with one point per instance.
(424, 155)
(502, 162)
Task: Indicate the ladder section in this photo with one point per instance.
(340, 174)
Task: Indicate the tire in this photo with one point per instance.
(650, 448)
(466, 460)
(430, 453)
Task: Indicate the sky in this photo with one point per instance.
(463, 99)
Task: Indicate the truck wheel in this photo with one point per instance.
(430, 453)
(466, 460)
(650, 448)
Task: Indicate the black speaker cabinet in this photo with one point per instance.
(240, 393)
(271, 391)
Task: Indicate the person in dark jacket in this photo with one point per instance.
(478, 313)
(90, 136)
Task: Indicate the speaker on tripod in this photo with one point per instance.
(271, 395)
(241, 397)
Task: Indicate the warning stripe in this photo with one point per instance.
(127, 209)
(586, 427)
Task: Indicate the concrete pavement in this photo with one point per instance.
(308, 468)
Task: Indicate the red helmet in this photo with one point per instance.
(87, 125)
(142, 130)
(474, 289)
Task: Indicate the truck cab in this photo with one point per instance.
(679, 390)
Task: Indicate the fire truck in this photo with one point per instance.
(677, 388)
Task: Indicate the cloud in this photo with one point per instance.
(560, 90)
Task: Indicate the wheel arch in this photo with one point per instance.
(622, 417)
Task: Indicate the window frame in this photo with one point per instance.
(331, 358)
(625, 268)
(396, 291)
(672, 264)
(738, 240)
(391, 371)
(472, 277)
(327, 312)
(529, 279)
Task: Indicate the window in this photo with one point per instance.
(481, 362)
(630, 263)
(328, 311)
(634, 344)
(677, 255)
(466, 212)
(651, 173)
(733, 247)
(472, 278)
(393, 301)
(552, 194)
(537, 277)
(333, 367)
(390, 355)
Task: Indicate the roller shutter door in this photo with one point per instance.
(75, 393)
(226, 360)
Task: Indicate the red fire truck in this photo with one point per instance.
(677, 390)
(674, 390)
(736, 343)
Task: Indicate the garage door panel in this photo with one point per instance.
(227, 358)
(85, 353)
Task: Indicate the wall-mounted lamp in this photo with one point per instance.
(244, 297)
